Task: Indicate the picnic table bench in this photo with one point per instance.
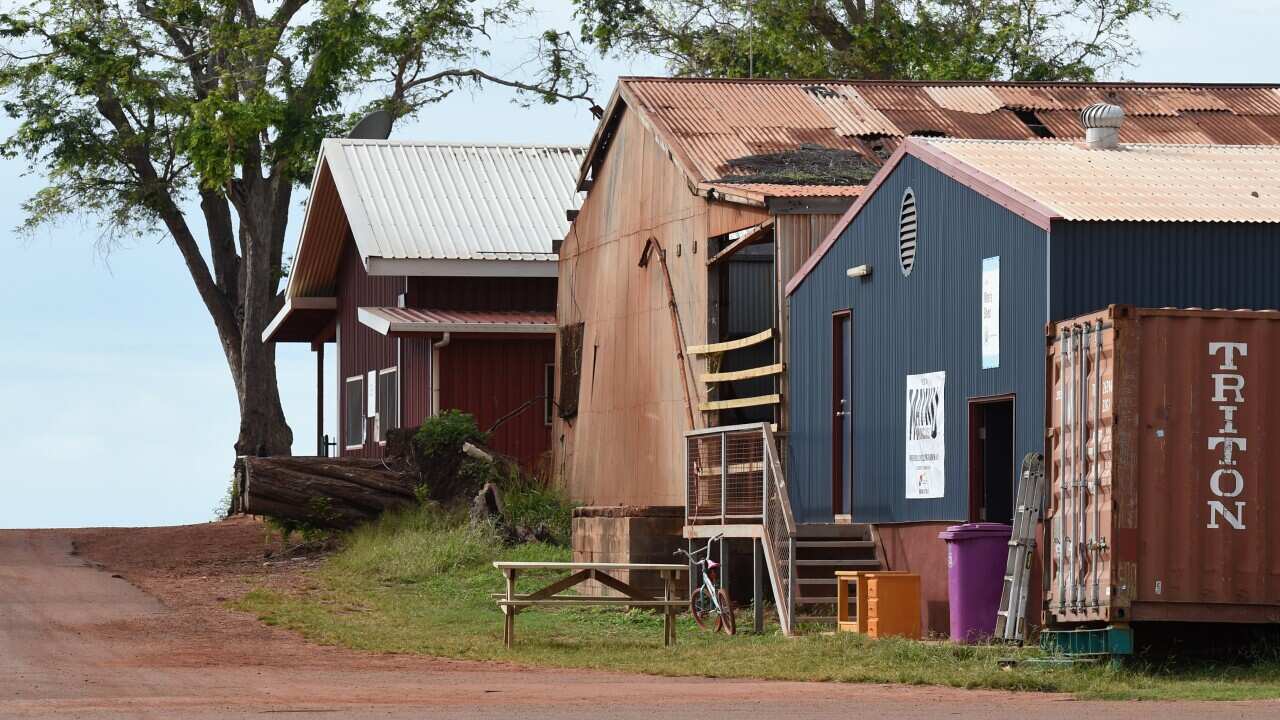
(579, 572)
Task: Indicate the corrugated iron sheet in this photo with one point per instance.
(965, 98)
(454, 201)
(479, 318)
(1206, 183)
(713, 121)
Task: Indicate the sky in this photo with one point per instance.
(116, 406)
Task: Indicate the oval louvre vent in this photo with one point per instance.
(907, 232)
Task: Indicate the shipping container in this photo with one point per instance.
(1165, 503)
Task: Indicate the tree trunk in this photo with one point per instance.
(336, 493)
(263, 429)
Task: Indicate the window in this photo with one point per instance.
(570, 368)
(907, 232)
(549, 388)
(388, 403)
(353, 423)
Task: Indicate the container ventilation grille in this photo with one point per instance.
(907, 232)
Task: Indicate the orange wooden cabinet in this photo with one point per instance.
(871, 604)
(893, 605)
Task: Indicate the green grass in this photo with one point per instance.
(420, 583)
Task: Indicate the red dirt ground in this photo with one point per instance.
(130, 623)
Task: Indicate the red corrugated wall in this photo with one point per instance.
(360, 349)
(485, 377)
(415, 374)
(480, 293)
(490, 378)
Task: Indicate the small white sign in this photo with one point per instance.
(926, 436)
(991, 312)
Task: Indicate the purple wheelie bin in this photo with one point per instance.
(977, 554)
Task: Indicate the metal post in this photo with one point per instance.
(321, 446)
(724, 478)
(724, 563)
(757, 597)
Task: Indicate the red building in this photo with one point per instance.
(431, 267)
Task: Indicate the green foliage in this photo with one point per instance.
(134, 110)
(450, 475)
(415, 546)
(445, 433)
(531, 504)
(875, 39)
(309, 532)
(419, 582)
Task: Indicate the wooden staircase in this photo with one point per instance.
(821, 550)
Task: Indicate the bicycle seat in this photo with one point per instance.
(712, 564)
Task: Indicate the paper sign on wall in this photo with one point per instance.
(991, 312)
(926, 436)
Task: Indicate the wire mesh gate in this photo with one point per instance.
(733, 476)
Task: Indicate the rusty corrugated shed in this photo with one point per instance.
(706, 123)
(1154, 183)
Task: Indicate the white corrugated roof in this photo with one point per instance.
(1157, 183)
(453, 201)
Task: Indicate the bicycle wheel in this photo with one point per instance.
(703, 608)
(727, 622)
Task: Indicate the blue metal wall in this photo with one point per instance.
(925, 322)
(1208, 265)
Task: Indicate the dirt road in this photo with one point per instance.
(79, 641)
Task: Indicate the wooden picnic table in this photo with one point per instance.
(579, 572)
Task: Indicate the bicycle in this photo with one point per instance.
(711, 607)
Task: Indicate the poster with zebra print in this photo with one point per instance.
(926, 436)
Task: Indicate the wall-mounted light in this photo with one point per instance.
(860, 271)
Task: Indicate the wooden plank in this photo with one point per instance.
(755, 372)
(569, 601)
(740, 403)
(755, 236)
(731, 344)
(561, 585)
(696, 532)
(504, 565)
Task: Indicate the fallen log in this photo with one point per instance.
(334, 493)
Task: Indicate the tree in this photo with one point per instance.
(875, 39)
(137, 111)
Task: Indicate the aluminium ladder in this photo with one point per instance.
(1011, 617)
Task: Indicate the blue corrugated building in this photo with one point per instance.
(917, 343)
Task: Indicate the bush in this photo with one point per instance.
(529, 504)
(438, 454)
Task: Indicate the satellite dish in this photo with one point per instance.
(374, 126)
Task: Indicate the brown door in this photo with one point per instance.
(992, 475)
(841, 413)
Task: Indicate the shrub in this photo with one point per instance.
(530, 504)
(438, 454)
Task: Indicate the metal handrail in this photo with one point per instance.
(775, 468)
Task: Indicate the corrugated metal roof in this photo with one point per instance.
(407, 200)
(709, 122)
(965, 98)
(399, 320)
(1155, 183)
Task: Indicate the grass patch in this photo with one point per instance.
(420, 583)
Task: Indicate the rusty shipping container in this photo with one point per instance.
(1165, 499)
